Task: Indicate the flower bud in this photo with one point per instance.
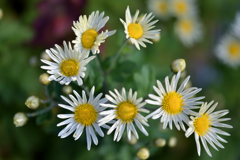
(143, 153)
(32, 102)
(160, 142)
(19, 119)
(67, 89)
(43, 79)
(1, 13)
(189, 84)
(178, 64)
(183, 75)
(133, 140)
(157, 39)
(45, 56)
(172, 142)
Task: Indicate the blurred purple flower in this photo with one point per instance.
(55, 20)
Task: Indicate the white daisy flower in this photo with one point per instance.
(69, 65)
(182, 8)
(159, 7)
(204, 127)
(138, 31)
(228, 51)
(87, 32)
(188, 30)
(174, 105)
(126, 110)
(236, 25)
(85, 115)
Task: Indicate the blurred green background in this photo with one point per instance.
(27, 28)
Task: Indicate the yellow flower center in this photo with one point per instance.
(162, 7)
(69, 67)
(88, 38)
(85, 114)
(126, 111)
(234, 49)
(202, 124)
(186, 26)
(172, 103)
(135, 30)
(181, 7)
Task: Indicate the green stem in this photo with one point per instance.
(105, 87)
(170, 74)
(45, 101)
(116, 57)
(99, 65)
(34, 114)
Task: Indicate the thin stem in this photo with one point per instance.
(116, 57)
(52, 105)
(105, 87)
(170, 74)
(45, 101)
(99, 65)
(46, 92)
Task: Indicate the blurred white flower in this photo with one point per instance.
(159, 7)
(183, 8)
(236, 25)
(228, 50)
(189, 30)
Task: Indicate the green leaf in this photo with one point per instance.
(144, 80)
(126, 67)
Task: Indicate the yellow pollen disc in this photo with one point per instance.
(88, 38)
(135, 30)
(186, 26)
(234, 49)
(202, 124)
(69, 67)
(126, 111)
(162, 7)
(85, 114)
(172, 103)
(181, 7)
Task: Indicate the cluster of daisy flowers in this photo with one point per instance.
(228, 48)
(188, 27)
(121, 111)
